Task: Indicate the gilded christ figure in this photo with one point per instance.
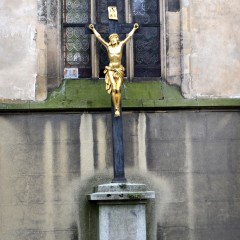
(114, 72)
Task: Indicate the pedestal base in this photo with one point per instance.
(122, 210)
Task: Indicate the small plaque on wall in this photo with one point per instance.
(70, 73)
(112, 13)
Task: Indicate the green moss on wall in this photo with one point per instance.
(91, 94)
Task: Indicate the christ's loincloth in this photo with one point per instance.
(115, 83)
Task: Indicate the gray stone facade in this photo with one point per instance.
(49, 163)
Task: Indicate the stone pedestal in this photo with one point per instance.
(122, 210)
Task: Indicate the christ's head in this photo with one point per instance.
(114, 39)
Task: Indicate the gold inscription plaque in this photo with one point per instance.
(112, 13)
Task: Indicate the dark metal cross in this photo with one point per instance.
(117, 127)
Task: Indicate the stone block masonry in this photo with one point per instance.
(190, 160)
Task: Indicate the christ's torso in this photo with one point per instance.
(115, 55)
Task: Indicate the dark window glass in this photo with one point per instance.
(147, 41)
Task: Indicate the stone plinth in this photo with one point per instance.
(122, 210)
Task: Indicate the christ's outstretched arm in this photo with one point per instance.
(98, 36)
(130, 35)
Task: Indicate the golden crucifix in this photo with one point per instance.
(114, 72)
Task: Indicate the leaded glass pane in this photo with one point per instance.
(77, 11)
(147, 40)
(147, 53)
(145, 11)
(76, 42)
(77, 50)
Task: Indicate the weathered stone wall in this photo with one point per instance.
(210, 43)
(49, 24)
(49, 162)
(18, 62)
(173, 48)
(30, 48)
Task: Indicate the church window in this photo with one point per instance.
(77, 52)
(81, 50)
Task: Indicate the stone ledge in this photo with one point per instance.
(82, 95)
(110, 196)
(120, 187)
(119, 191)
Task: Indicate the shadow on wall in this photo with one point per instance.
(84, 214)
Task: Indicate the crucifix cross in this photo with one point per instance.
(114, 75)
